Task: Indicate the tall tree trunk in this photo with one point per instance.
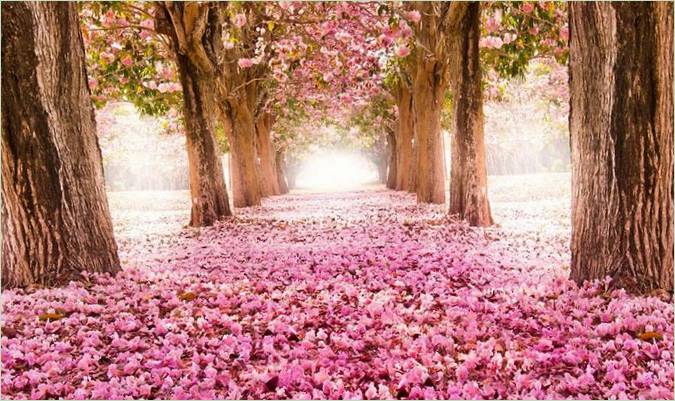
(468, 176)
(412, 172)
(404, 145)
(427, 96)
(393, 160)
(207, 180)
(269, 184)
(621, 125)
(281, 174)
(381, 163)
(197, 69)
(292, 170)
(245, 184)
(55, 217)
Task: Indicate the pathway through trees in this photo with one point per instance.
(352, 294)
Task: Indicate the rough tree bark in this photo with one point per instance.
(468, 176)
(404, 145)
(245, 182)
(196, 36)
(412, 172)
(440, 22)
(269, 184)
(240, 97)
(427, 103)
(281, 167)
(393, 159)
(621, 124)
(55, 216)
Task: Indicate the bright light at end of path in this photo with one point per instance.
(336, 171)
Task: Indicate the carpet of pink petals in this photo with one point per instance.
(360, 295)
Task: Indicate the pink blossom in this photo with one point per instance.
(564, 32)
(239, 20)
(414, 16)
(527, 7)
(245, 63)
(402, 51)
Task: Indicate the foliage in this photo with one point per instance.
(126, 58)
(513, 33)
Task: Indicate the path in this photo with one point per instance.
(357, 294)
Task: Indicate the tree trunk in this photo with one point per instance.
(207, 180)
(393, 160)
(404, 146)
(412, 172)
(427, 97)
(245, 184)
(468, 176)
(197, 70)
(269, 184)
(55, 217)
(621, 125)
(381, 164)
(292, 170)
(281, 175)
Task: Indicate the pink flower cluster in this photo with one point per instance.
(346, 295)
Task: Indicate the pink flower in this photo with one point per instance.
(564, 32)
(414, 16)
(84, 362)
(151, 85)
(491, 42)
(402, 51)
(93, 83)
(148, 23)
(127, 61)
(527, 8)
(245, 63)
(509, 37)
(462, 373)
(239, 20)
(371, 392)
(492, 24)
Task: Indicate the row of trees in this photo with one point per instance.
(244, 68)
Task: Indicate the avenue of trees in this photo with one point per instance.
(258, 77)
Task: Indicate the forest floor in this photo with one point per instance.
(360, 294)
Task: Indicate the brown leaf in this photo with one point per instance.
(51, 316)
(187, 296)
(650, 335)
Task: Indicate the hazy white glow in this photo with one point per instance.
(335, 171)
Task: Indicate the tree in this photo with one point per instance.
(267, 168)
(280, 163)
(128, 45)
(55, 219)
(438, 24)
(195, 32)
(393, 159)
(621, 125)
(468, 181)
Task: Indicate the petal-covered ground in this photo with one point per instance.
(340, 295)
